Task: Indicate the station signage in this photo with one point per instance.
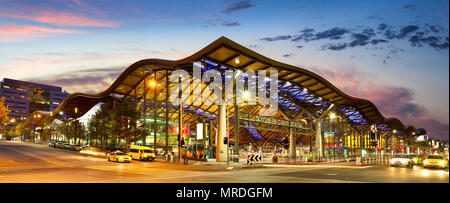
(273, 121)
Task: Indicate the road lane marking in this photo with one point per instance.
(315, 166)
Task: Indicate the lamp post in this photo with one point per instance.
(75, 111)
(393, 136)
(153, 84)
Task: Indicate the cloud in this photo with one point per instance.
(238, 5)
(409, 6)
(231, 24)
(277, 38)
(361, 36)
(53, 61)
(335, 47)
(18, 33)
(299, 7)
(435, 42)
(306, 34)
(332, 34)
(375, 18)
(382, 26)
(86, 81)
(215, 22)
(406, 30)
(59, 18)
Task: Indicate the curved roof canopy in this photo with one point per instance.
(310, 90)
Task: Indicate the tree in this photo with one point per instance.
(96, 125)
(4, 120)
(122, 124)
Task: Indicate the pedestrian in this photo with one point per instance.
(185, 157)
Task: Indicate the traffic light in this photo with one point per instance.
(225, 140)
(372, 134)
(285, 140)
(182, 142)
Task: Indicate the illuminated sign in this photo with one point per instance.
(199, 131)
(422, 138)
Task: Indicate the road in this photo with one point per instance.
(27, 162)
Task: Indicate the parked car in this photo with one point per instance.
(52, 144)
(66, 146)
(74, 147)
(435, 161)
(402, 160)
(60, 145)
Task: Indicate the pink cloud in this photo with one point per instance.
(15, 33)
(60, 19)
(392, 101)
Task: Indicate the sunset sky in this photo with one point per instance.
(394, 53)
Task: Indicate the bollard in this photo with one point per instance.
(274, 159)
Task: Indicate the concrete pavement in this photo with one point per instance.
(26, 162)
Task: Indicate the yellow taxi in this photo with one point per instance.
(141, 153)
(435, 161)
(74, 147)
(119, 157)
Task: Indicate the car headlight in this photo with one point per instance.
(442, 163)
(425, 162)
(392, 161)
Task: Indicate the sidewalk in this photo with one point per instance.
(265, 163)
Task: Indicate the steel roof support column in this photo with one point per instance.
(180, 128)
(155, 124)
(319, 142)
(236, 127)
(167, 113)
(292, 144)
(145, 113)
(221, 154)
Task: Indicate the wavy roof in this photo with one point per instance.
(223, 52)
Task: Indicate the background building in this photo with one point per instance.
(24, 97)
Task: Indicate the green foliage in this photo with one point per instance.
(115, 121)
(4, 120)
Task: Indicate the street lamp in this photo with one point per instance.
(152, 83)
(246, 94)
(332, 115)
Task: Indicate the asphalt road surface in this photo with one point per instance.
(27, 162)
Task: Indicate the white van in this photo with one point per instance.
(142, 153)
